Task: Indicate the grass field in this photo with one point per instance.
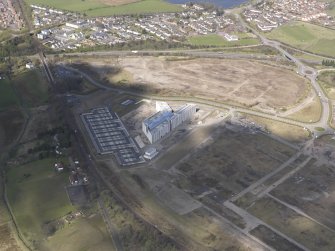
(37, 196)
(327, 81)
(10, 125)
(98, 8)
(219, 41)
(32, 87)
(87, 234)
(8, 97)
(305, 36)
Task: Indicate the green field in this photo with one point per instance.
(305, 36)
(218, 41)
(32, 87)
(11, 122)
(327, 81)
(97, 8)
(4, 35)
(87, 234)
(37, 196)
(8, 97)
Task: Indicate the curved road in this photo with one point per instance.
(305, 71)
(302, 69)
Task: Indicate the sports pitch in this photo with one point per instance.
(305, 36)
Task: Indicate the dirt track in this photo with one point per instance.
(240, 81)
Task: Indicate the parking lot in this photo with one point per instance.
(109, 135)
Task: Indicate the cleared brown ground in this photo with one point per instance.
(118, 2)
(248, 83)
(7, 240)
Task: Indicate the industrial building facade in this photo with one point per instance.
(165, 120)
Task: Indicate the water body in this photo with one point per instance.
(220, 3)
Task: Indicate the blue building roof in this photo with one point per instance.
(157, 119)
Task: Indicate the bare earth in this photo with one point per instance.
(237, 81)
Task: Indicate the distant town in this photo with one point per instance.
(76, 31)
(65, 30)
(270, 14)
(10, 17)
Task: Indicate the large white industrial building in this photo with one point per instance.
(165, 120)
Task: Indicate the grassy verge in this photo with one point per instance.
(218, 41)
(260, 49)
(288, 132)
(310, 113)
(327, 81)
(306, 36)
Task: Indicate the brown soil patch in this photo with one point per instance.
(247, 83)
(7, 241)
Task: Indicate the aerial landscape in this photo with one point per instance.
(165, 125)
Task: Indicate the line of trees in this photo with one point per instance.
(328, 62)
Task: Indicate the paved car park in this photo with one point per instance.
(109, 135)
